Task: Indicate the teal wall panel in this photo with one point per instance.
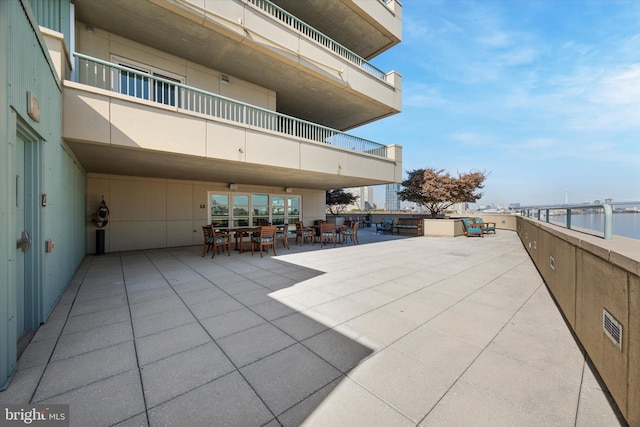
(25, 66)
(53, 14)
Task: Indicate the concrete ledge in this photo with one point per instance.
(587, 274)
(443, 227)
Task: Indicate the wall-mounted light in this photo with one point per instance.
(288, 190)
(233, 186)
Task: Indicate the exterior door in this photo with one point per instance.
(20, 227)
(27, 167)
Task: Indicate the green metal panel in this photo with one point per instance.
(25, 67)
(53, 14)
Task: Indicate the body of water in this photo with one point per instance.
(624, 224)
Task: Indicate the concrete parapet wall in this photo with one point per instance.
(587, 274)
(503, 221)
(443, 227)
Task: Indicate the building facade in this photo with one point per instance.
(391, 199)
(229, 112)
(365, 199)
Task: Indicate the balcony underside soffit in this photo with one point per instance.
(102, 159)
(340, 20)
(306, 94)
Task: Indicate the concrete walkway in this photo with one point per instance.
(393, 332)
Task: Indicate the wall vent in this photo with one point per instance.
(612, 328)
(224, 78)
(552, 263)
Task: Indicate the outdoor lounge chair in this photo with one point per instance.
(386, 226)
(487, 227)
(471, 228)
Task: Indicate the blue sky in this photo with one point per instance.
(544, 95)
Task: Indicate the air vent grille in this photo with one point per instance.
(612, 328)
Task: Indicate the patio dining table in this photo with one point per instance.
(339, 229)
(239, 233)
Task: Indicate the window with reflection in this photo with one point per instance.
(219, 210)
(260, 209)
(240, 210)
(278, 210)
(293, 209)
(244, 210)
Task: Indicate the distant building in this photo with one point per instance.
(391, 199)
(458, 208)
(365, 198)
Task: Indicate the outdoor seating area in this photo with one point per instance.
(260, 239)
(487, 227)
(471, 228)
(477, 227)
(440, 333)
(385, 226)
(411, 225)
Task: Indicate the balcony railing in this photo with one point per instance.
(538, 210)
(310, 32)
(135, 83)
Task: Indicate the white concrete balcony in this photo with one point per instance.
(256, 41)
(366, 27)
(122, 121)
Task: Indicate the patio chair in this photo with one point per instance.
(471, 228)
(263, 239)
(328, 234)
(352, 232)
(216, 241)
(282, 234)
(207, 234)
(386, 226)
(304, 233)
(487, 227)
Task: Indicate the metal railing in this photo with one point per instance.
(291, 21)
(608, 214)
(135, 83)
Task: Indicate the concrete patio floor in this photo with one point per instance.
(396, 331)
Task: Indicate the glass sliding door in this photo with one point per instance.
(294, 204)
(244, 210)
(240, 210)
(260, 209)
(220, 210)
(278, 211)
